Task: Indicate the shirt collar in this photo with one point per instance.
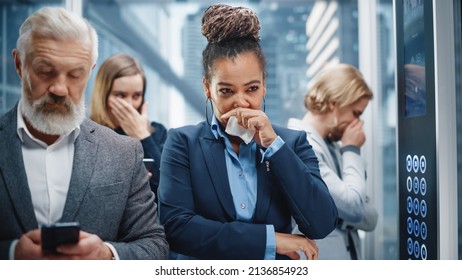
(23, 131)
(216, 129)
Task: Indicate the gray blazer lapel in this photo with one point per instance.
(212, 150)
(84, 161)
(14, 173)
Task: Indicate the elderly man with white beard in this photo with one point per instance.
(58, 166)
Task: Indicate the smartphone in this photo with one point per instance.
(148, 163)
(58, 234)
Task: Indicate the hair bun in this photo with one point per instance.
(223, 22)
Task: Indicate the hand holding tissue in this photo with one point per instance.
(233, 128)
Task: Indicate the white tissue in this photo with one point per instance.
(233, 128)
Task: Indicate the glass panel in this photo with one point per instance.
(12, 15)
(165, 36)
(458, 64)
(386, 234)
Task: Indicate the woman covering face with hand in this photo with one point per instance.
(118, 102)
(230, 185)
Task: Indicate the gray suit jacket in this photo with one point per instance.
(108, 193)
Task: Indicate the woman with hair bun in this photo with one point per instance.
(230, 185)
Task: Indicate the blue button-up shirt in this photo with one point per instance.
(242, 175)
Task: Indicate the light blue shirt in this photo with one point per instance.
(242, 177)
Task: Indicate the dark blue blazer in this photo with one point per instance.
(152, 147)
(196, 204)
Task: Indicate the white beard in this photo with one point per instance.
(49, 121)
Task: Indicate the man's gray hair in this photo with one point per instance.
(58, 24)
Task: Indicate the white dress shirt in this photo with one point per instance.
(48, 170)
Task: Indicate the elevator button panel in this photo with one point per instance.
(416, 186)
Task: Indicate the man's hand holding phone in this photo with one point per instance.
(88, 246)
(59, 234)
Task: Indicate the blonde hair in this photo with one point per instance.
(341, 84)
(57, 24)
(116, 66)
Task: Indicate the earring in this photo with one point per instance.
(264, 104)
(206, 111)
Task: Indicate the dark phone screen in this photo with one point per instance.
(58, 234)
